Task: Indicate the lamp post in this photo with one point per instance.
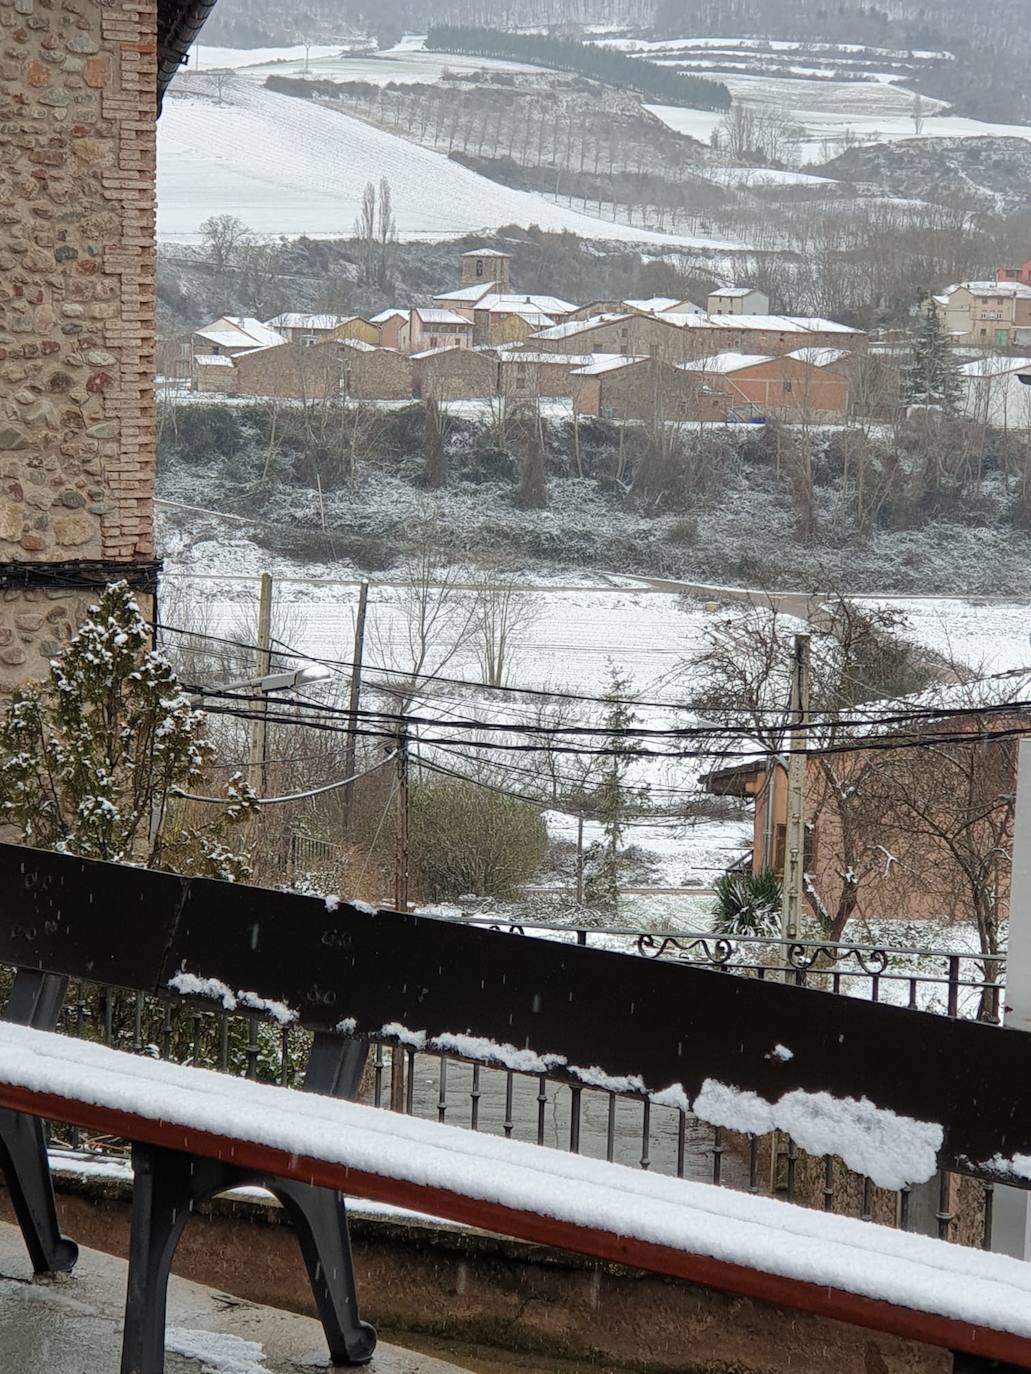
(265, 685)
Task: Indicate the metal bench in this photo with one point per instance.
(588, 1015)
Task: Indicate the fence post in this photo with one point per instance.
(1011, 1220)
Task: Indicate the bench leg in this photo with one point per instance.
(320, 1220)
(166, 1189)
(23, 1160)
(36, 1000)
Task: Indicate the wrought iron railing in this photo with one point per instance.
(624, 1127)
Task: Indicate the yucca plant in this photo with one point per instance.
(747, 904)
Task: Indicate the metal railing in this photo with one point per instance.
(624, 1127)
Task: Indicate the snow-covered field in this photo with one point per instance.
(288, 166)
(988, 636)
(406, 64)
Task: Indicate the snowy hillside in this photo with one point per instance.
(288, 166)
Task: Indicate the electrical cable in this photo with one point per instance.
(295, 796)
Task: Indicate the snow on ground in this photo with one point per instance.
(406, 64)
(862, 115)
(987, 636)
(289, 166)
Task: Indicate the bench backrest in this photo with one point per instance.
(591, 1016)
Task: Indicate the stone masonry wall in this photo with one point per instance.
(77, 132)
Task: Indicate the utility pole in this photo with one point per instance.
(401, 869)
(794, 834)
(351, 755)
(257, 763)
(580, 860)
(397, 1054)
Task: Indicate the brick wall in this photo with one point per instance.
(77, 126)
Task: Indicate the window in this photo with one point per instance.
(479, 267)
(308, 340)
(787, 386)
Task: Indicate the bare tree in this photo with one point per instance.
(504, 614)
(223, 237)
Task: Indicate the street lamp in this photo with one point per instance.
(270, 682)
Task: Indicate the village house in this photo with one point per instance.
(213, 373)
(454, 374)
(1015, 274)
(313, 329)
(532, 376)
(173, 357)
(810, 384)
(737, 300)
(899, 834)
(628, 388)
(987, 314)
(390, 327)
(289, 371)
(231, 335)
(428, 329)
(996, 391)
(679, 338)
(374, 374)
(661, 305)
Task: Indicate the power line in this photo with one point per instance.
(295, 796)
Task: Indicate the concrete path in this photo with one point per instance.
(72, 1325)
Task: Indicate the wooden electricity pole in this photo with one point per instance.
(351, 755)
(397, 1054)
(794, 833)
(258, 770)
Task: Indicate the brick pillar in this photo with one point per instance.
(77, 132)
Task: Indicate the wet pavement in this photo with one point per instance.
(72, 1324)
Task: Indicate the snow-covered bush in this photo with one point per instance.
(92, 760)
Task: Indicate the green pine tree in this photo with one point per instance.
(615, 799)
(92, 760)
(932, 377)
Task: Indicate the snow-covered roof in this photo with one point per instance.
(486, 253)
(241, 331)
(654, 304)
(726, 362)
(212, 360)
(385, 316)
(441, 317)
(435, 352)
(468, 293)
(736, 292)
(817, 325)
(613, 362)
(506, 302)
(360, 346)
(1005, 289)
(819, 357)
(300, 321)
(549, 359)
(571, 327)
(995, 367)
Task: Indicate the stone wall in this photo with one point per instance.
(77, 128)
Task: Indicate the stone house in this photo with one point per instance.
(374, 374)
(313, 329)
(295, 371)
(454, 374)
(429, 329)
(214, 374)
(987, 314)
(810, 384)
(737, 300)
(523, 375)
(390, 326)
(234, 334)
(625, 388)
